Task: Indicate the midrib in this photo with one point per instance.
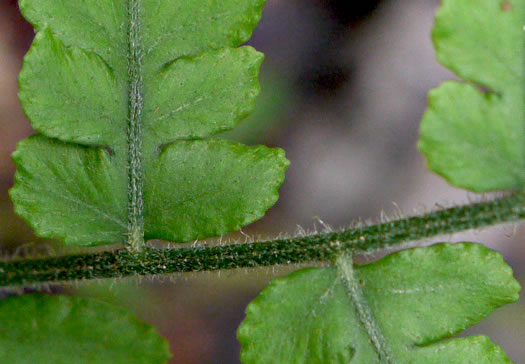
(134, 135)
(347, 276)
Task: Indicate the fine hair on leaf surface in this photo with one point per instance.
(406, 292)
(168, 82)
(128, 98)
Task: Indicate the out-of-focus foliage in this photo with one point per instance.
(475, 137)
(62, 329)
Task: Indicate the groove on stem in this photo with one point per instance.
(318, 247)
(349, 278)
(135, 106)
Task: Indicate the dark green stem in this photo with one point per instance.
(135, 174)
(319, 247)
(350, 280)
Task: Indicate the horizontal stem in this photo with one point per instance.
(318, 247)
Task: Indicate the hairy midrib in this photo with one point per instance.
(134, 131)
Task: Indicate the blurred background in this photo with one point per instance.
(343, 89)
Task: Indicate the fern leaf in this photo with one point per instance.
(418, 298)
(473, 132)
(125, 95)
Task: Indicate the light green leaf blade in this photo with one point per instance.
(84, 193)
(222, 186)
(92, 25)
(72, 95)
(268, 117)
(418, 297)
(171, 29)
(177, 108)
(476, 138)
(65, 329)
(205, 24)
(74, 87)
(462, 26)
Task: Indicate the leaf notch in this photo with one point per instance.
(152, 85)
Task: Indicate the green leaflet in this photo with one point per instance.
(75, 185)
(476, 138)
(199, 170)
(267, 118)
(418, 297)
(62, 329)
(123, 146)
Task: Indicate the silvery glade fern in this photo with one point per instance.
(126, 96)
